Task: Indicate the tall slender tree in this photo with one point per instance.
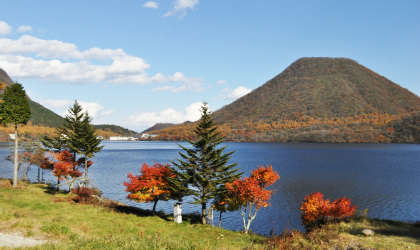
(14, 108)
(85, 141)
(204, 168)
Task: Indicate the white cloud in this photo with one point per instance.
(53, 60)
(4, 28)
(92, 108)
(151, 4)
(221, 82)
(62, 106)
(56, 104)
(235, 94)
(192, 113)
(108, 112)
(191, 84)
(180, 7)
(238, 93)
(23, 28)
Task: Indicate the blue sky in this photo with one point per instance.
(137, 63)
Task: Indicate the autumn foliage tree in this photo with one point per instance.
(317, 211)
(63, 166)
(248, 195)
(151, 185)
(29, 153)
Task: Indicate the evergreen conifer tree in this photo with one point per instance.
(14, 108)
(85, 141)
(71, 125)
(204, 168)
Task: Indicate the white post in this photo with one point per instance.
(177, 212)
(210, 216)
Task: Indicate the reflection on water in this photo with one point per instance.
(381, 177)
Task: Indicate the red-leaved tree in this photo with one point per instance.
(46, 165)
(317, 211)
(151, 185)
(248, 195)
(64, 165)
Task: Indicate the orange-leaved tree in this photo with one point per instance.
(317, 211)
(63, 166)
(248, 195)
(151, 185)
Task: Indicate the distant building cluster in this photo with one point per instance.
(132, 138)
(120, 138)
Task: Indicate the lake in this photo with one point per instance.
(384, 178)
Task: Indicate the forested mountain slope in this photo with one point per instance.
(115, 129)
(321, 88)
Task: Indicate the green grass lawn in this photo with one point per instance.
(36, 211)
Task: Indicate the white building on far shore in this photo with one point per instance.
(119, 138)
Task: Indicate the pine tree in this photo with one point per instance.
(204, 168)
(14, 108)
(71, 125)
(85, 141)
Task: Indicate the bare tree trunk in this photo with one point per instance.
(86, 171)
(220, 219)
(15, 173)
(203, 213)
(25, 170)
(249, 220)
(154, 206)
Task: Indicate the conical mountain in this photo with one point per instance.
(320, 88)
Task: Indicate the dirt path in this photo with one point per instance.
(16, 240)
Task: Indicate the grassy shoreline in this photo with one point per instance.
(34, 210)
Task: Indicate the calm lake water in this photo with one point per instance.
(384, 178)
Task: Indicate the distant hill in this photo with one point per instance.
(321, 88)
(159, 126)
(4, 77)
(43, 116)
(115, 129)
(318, 100)
(39, 114)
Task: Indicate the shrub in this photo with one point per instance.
(83, 194)
(316, 211)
